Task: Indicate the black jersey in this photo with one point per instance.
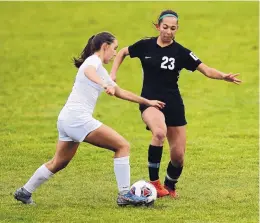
(162, 66)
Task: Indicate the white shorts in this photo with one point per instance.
(76, 129)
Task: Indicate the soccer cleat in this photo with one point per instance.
(130, 199)
(172, 192)
(22, 195)
(161, 191)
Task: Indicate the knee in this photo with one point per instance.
(124, 146)
(159, 134)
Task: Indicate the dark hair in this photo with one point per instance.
(165, 12)
(94, 44)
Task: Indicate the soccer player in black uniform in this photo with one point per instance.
(162, 60)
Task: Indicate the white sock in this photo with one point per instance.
(41, 175)
(122, 172)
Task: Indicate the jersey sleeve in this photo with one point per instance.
(107, 79)
(93, 61)
(190, 60)
(137, 49)
(110, 82)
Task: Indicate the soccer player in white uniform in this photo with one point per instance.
(76, 124)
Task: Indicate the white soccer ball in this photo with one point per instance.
(144, 188)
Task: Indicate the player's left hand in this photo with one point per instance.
(232, 78)
(110, 90)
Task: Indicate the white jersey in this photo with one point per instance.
(83, 98)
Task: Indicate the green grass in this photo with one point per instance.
(220, 178)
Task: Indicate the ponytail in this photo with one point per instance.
(88, 51)
(94, 44)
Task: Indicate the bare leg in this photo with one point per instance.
(177, 142)
(65, 151)
(108, 138)
(155, 120)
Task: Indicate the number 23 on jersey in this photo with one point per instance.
(169, 63)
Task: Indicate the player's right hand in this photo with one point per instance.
(232, 78)
(155, 103)
(110, 90)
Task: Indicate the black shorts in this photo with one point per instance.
(174, 116)
(174, 110)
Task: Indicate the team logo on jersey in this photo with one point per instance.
(146, 57)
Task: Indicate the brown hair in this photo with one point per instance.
(94, 44)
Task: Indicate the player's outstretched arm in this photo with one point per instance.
(117, 62)
(129, 96)
(215, 74)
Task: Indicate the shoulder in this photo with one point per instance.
(137, 48)
(149, 40)
(180, 46)
(146, 40)
(93, 60)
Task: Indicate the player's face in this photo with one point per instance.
(110, 51)
(168, 29)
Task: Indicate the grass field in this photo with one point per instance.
(220, 178)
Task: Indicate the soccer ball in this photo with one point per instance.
(143, 188)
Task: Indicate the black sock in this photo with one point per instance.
(173, 173)
(154, 159)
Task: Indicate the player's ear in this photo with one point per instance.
(104, 46)
(157, 26)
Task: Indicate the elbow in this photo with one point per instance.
(124, 52)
